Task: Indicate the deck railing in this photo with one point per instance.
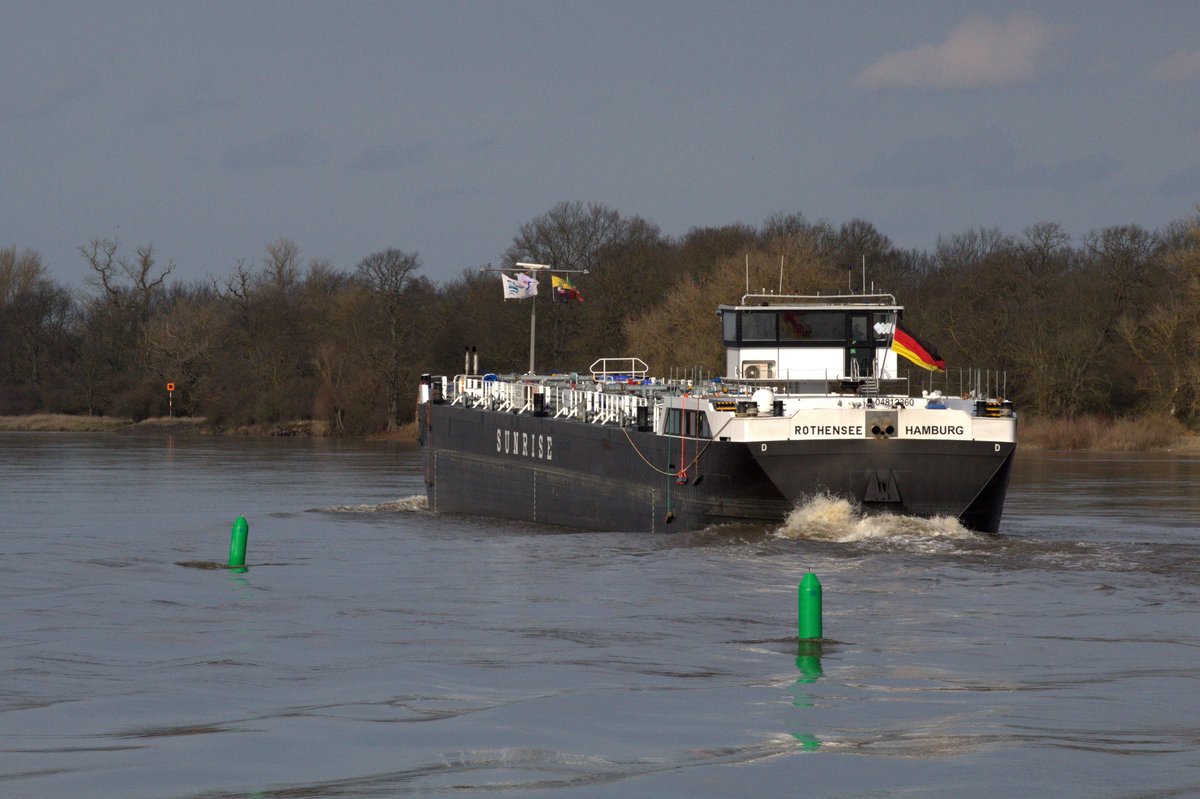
(555, 399)
(618, 402)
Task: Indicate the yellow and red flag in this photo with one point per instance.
(565, 289)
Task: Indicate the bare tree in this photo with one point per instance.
(238, 286)
(1165, 338)
(389, 276)
(35, 334)
(184, 346)
(19, 273)
(282, 265)
(1122, 256)
(971, 247)
(122, 282)
(568, 236)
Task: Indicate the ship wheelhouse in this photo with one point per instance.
(803, 339)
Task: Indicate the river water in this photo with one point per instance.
(375, 650)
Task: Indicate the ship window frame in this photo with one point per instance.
(867, 336)
(695, 423)
(729, 326)
(830, 327)
(758, 335)
(820, 325)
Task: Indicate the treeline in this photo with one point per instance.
(1109, 324)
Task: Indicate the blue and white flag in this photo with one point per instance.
(521, 287)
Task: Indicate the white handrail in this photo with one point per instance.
(611, 367)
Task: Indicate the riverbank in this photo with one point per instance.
(66, 423)
(1136, 434)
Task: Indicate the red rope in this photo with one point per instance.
(681, 477)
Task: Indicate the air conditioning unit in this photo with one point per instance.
(758, 370)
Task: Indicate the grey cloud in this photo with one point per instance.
(1185, 182)
(979, 160)
(1072, 172)
(291, 148)
(30, 100)
(391, 157)
(975, 159)
(1182, 66)
(191, 100)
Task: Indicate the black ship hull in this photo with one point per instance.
(570, 473)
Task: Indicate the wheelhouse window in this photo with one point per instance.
(729, 323)
(758, 326)
(859, 330)
(812, 326)
(799, 328)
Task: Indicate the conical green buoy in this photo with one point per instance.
(237, 544)
(809, 603)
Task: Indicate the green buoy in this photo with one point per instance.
(237, 544)
(809, 602)
(808, 661)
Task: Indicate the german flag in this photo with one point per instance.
(917, 351)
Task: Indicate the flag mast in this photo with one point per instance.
(520, 266)
(533, 312)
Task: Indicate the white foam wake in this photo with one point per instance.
(827, 518)
(411, 504)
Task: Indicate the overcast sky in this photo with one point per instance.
(211, 128)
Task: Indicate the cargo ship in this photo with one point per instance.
(811, 404)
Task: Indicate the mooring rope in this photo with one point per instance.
(693, 461)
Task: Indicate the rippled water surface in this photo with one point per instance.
(373, 649)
